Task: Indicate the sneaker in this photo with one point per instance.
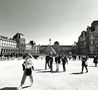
(81, 72)
(87, 71)
(19, 88)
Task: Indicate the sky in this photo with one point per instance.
(39, 20)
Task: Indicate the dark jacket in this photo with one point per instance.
(57, 59)
(64, 60)
(95, 60)
(84, 61)
(47, 59)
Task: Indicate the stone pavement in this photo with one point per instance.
(11, 74)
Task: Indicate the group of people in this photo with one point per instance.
(28, 65)
(58, 60)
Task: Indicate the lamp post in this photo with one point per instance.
(50, 41)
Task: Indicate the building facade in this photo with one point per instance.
(88, 40)
(7, 46)
(16, 47)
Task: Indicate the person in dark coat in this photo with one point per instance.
(95, 60)
(47, 61)
(84, 63)
(64, 61)
(51, 62)
(57, 60)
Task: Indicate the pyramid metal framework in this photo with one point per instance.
(49, 50)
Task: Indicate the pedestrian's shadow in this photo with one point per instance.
(39, 69)
(25, 87)
(56, 71)
(78, 73)
(9, 88)
(43, 71)
(92, 66)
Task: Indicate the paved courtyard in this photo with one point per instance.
(11, 74)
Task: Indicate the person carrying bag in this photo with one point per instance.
(27, 68)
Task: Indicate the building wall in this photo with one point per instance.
(17, 48)
(89, 43)
(82, 43)
(7, 46)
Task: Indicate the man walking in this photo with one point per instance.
(57, 60)
(64, 61)
(51, 62)
(47, 61)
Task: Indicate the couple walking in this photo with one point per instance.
(58, 60)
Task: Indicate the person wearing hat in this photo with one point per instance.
(27, 68)
(84, 63)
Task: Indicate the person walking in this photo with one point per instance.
(27, 68)
(57, 60)
(51, 62)
(84, 63)
(47, 61)
(95, 60)
(64, 61)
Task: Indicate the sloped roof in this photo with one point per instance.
(48, 50)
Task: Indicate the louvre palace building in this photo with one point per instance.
(88, 40)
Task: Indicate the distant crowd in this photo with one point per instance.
(58, 60)
(63, 59)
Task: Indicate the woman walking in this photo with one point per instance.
(84, 63)
(27, 68)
